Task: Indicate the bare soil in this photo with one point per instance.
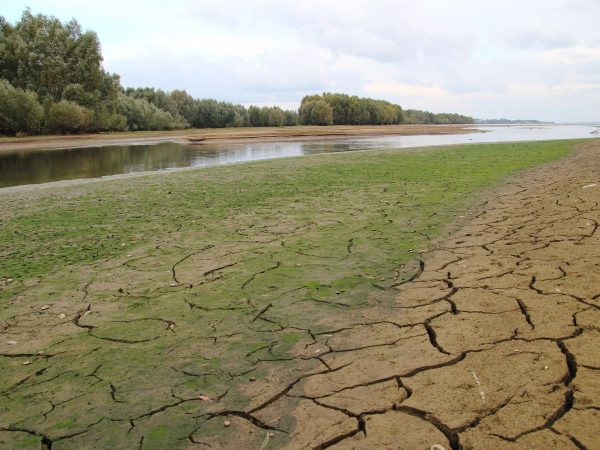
(494, 344)
(224, 135)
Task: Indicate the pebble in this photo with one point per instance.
(26, 363)
(45, 307)
(12, 342)
(61, 316)
(226, 423)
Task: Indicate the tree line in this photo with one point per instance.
(414, 116)
(341, 109)
(52, 81)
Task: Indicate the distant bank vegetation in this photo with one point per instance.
(52, 81)
(509, 122)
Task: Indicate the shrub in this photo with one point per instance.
(68, 117)
(20, 111)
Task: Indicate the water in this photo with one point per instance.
(39, 166)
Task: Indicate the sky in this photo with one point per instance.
(488, 59)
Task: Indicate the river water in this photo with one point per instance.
(40, 166)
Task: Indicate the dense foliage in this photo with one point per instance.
(509, 122)
(413, 116)
(20, 110)
(341, 109)
(52, 80)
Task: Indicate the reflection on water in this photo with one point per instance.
(36, 166)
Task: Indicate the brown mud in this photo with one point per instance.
(495, 343)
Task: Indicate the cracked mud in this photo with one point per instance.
(488, 339)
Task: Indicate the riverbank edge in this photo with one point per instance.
(225, 136)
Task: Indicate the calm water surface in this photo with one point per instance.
(38, 166)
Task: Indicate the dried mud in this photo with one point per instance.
(500, 349)
(490, 341)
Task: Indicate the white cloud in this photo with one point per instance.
(539, 58)
(392, 88)
(572, 55)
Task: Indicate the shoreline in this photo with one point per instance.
(225, 136)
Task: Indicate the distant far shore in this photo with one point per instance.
(224, 135)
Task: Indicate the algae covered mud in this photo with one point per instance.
(33, 166)
(258, 305)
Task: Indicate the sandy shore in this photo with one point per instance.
(495, 342)
(224, 135)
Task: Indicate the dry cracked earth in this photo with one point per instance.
(492, 343)
(495, 343)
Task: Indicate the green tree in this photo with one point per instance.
(106, 120)
(41, 54)
(254, 117)
(76, 93)
(20, 111)
(184, 103)
(276, 117)
(68, 117)
(316, 112)
(140, 114)
(291, 118)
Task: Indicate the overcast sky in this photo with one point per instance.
(488, 59)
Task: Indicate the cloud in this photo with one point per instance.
(391, 88)
(572, 55)
(541, 39)
(487, 59)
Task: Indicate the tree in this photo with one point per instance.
(184, 103)
(41, 54)
(68, 117)
(316, 112)
(353, 110)
(358, 113)
(291, 118)
(20, 111)
(254, 117)
(340, 104)
(140, 114)
(76, 93)
(276, 117)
